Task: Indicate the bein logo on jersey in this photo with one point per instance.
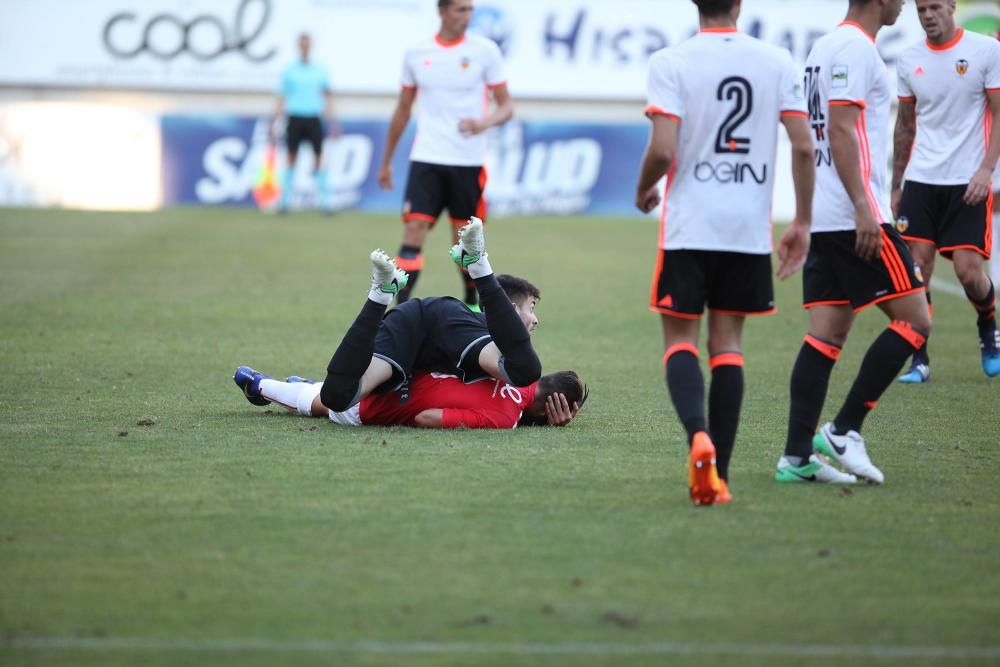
(962, 66)
(730, 172)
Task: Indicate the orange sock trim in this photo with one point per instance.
(908, 333)
(871, 404)
(726, 359)
(413, 264)
(679, 347)
(826, 349)
(988, 311)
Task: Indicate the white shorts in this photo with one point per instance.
(349, 417)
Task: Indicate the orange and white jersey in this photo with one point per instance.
(844, 67)
(948, 84)
(728, 91)
(451, 79)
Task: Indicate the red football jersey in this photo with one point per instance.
(483, 404)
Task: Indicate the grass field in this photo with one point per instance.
(150, 515)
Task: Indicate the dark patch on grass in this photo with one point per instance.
(478, 619)
(122, 434)
(145, 422)
(845, 491)
(620, 619)
(823, 553)
(576, 582)
(547, 609)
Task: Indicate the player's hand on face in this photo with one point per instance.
(979, 187)
(869, 235)
(648, 200)
(385, 176)
(793, 247)
(470, 126)
(558, 411)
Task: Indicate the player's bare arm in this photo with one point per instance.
(503, 111)
(400, 118)
(794, 243)
(845, 150)
(906, 130)
(433, 418)
(980, 184)
(656, 161)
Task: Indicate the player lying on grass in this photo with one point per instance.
(432, 400)
(438, 334)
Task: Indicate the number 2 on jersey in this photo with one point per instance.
(737, 90)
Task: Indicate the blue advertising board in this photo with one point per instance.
(533, 167)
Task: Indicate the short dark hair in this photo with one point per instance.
(714, 7)
(518, 289)
(444, 4)
(567, 383)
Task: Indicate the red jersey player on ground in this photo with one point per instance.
(435, 400)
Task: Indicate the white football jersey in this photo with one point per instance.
(844, 67)
(728, 91)
(451, 81)
(948, 84)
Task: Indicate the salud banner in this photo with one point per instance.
(586, 49)
(542, 167)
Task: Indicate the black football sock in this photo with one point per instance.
(471, 294)
(882, 362)
(518, 362)
(725, 397)
(411, 260)
(687, 387)
(922, 356)
(343, 374)
(810, 379)
(986, 310)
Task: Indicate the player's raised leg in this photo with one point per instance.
(353, 371)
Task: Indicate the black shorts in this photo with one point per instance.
(437, 334)
(735, 283)
(308, 129)
(834, 275)
(432, 188)
(936, 214)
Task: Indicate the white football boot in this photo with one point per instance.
(849, 451)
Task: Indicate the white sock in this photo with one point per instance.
(481, 268)
(296, 396)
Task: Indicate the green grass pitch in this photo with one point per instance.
(222, 533)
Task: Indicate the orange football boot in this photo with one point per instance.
(703, 478)
(723, 496)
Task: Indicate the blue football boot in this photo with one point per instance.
(989, 345)
(919, 373)
(248, 380)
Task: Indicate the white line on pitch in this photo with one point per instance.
(498, 648)
(939, 285)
